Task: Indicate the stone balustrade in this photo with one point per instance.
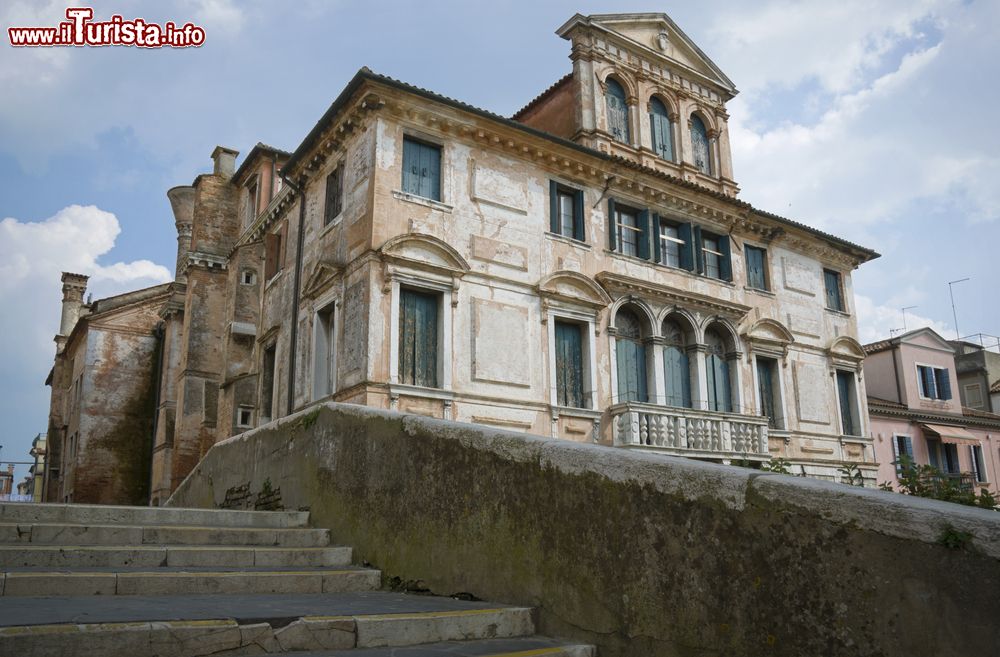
(689, 432)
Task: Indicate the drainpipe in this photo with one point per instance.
(158, 333)
(297, 282)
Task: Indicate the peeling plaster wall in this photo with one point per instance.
(643, 555)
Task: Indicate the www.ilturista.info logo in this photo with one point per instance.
(81, 30)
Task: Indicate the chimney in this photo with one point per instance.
(74, 285)
(225, 161)
(182, 203)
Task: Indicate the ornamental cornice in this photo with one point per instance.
(613, 282)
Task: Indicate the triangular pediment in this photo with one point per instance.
(323, 275)
(927, 338)
(654, 36)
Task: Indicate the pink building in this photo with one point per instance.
(914, 406)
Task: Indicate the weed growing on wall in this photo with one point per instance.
(928, 481)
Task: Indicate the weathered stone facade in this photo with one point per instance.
(631, 319)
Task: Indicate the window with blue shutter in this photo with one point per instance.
(950, 453)
(934, 382)
(421, 169)
(685, 232)
(676, 366)
(978, 464)
(671, 245)
(659, 122)
(942, 383)
(756, 272)
(717, 373)
(617, 112)
(630, 230)
(716, 257)
(767, 390)
(834, 294)
(418, 337)
(569, 364)
(845, 394)
(566, 211)
(334, 194)
(700, 146)
(903, 449)
(630, 353)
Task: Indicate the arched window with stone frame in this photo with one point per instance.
(717, 372)
(701, 150)
(630, 354)
(661, 129)
(676, 364)
(617, 110)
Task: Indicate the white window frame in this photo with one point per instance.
(920, 385)
(667, 238)
(895, 451)
(239, 410)
(621, 227)
(243, 275)
(324, 347)
(981, 477)
(588, 323)
(271, 414)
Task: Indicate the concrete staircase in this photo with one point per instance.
(137, 581)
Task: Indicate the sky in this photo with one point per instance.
(873, 120)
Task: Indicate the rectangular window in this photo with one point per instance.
(934, 382)
(845, 393)
(273, 253)
(334, 193)
(767, 389)
(950, 453)
(629, 233)
(244, 417)
(418, 337)
(902, 447)
(756, 267)
(671, 244)
(712, 255)
(834, 295)
(421, 169)
(252, 199)
(566, 211)
(973, 395)
(569, 364)
(978, 464)
(324, 353)
(628, 230)
(267, 384)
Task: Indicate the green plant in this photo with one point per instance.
(954, 539)
(851, 474)
(928, 481)
(309, 419)
(265, 488)
(778, 465)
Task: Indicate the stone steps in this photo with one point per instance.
(80, 534)
(116, 581)
(179, 556)
(96, 514)
(83, 582)
(358, 621)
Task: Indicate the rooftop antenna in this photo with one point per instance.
(904, 314)
(954, 314)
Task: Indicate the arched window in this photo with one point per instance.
(617, 112)
(659, 122)
(631, 356)
(676, 372)
(699, 145)
(717, 372)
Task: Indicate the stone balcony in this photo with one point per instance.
(689, 432)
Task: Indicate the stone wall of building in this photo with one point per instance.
(640, 554)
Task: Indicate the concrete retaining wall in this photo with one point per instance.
(640, 554)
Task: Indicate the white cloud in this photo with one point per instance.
(882, 321)
(32, 257)
(218, 16)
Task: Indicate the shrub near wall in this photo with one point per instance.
(640, 554)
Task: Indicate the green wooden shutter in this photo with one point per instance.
(685, 232)
(726, 261)
(844, 392)
(699, 255)
(677, 377)
(411, 167)
(643, 220)
(631, 370)
(943, 382)
(657, 244)
(579, 231)
(612, 240)
(418, 334)
(553, 206)
(569, 365)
